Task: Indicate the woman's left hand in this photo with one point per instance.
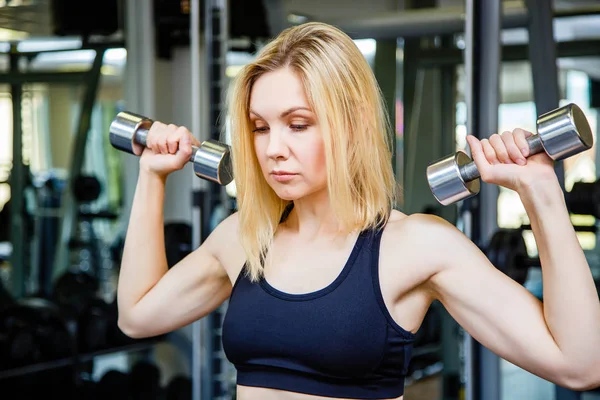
(503, 159)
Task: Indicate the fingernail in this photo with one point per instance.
(521, 161)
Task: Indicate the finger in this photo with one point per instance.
(154, 132)
(173, 141)
(489, 152)
(500, 149)
(161, 144)
(478, 154)
(195, 142)
(513, 150)
(185, 143)
(162, 140)
(521, 136)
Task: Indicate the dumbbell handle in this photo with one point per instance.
(469, 172)
(141, 137)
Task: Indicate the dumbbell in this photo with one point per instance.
(561, 133)
(212, 161)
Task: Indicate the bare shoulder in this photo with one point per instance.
(419, 224)
(422, 241)
(224, 244)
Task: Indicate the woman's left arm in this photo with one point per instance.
(559, 338)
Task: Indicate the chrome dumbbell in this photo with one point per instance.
(561, 133)
(211, 161)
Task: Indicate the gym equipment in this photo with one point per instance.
(561, 133)
(74, 290)
(95, 325)
(144, 381)
(507, 251)
(211, 161)
(34, 330)
(584, 198)
(5, 297)
(86, 188)
(179, 388)
(114, 385)
(97, 328)
(178, 241)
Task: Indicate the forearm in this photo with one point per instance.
(571, 305)
(144, 260)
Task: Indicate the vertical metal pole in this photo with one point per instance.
(197, 331)
(385, 72)
(215, 31)
(450, 337)
(448, 123)
(207, 198)
(546, 92)
(482, 63)
(18, 179)
(542, 56)
(413, 90)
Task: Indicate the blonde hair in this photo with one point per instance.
(344, 94)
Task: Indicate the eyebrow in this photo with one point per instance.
(285, 113)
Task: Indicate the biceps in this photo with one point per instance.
(500, 314)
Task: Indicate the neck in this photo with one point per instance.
(313, 216)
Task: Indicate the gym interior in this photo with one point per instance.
(447, 68)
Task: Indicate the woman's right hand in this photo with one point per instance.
(168, 149)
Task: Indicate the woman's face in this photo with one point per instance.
(287, 138)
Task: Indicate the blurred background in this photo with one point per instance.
(68, 67)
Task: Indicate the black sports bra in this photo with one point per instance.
(339, 341)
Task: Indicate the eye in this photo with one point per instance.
(262, 129)
(298, 128)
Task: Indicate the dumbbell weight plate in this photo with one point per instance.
(564, 132)
(120, 132)
(446, 182)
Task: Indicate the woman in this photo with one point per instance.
(328, 284)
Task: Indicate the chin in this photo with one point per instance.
(288, 192)
(289, 195)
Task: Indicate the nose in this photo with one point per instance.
(277, 147)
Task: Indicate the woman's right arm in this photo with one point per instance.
(153, 299)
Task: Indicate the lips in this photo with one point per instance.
(282, 173)
(283, 176)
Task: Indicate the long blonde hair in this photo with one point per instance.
(344, 94)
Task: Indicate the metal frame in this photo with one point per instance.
(439, 21)
(450, 352)
(69, 205)
(207, 363)
(542, 56)
(42, 77)
(17, 185)
(482, 66)
(517, 52)
(198, 335)
(18, 180)
(385, 73)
